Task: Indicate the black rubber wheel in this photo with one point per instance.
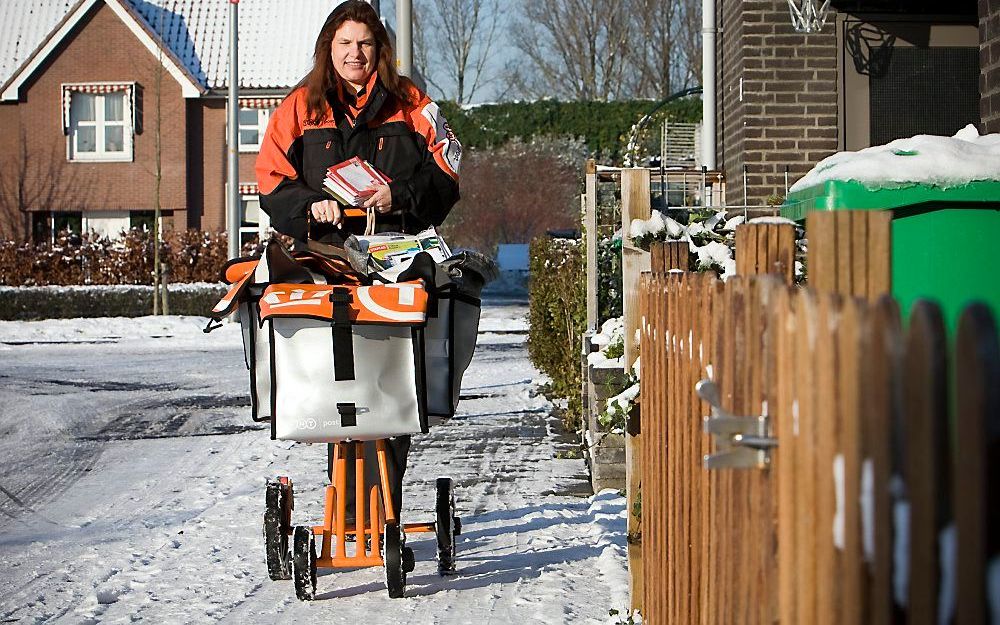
(304, 563)
(277, 520)
(445, 526)
(395, 570)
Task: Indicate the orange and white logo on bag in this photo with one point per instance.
(403, 303)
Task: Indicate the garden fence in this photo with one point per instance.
(847, 470)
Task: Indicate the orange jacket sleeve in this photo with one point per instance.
(283, 195)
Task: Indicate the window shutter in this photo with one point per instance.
(137, 108)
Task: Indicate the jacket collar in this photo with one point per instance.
(375, 98)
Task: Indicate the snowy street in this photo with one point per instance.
(131, 488)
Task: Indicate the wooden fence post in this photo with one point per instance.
(881, 346)
(589, 201)
(850, 252)
(667, 255)
(977, 463)
(635, 205)
(766, 249)
(926, 454)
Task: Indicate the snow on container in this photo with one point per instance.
(945, 196)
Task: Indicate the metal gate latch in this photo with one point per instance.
(741, 442)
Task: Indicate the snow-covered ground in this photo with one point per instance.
(131, 488)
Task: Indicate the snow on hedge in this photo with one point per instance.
(922, 159)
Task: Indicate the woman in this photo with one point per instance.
(353, 103)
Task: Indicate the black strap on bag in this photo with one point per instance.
(348, 414)
(343, 338)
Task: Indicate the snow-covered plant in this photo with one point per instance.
(615, 415)
(610, 342)
(709, 235)
(627, 617)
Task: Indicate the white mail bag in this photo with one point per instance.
(345, 362)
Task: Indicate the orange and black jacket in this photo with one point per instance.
(410, 142)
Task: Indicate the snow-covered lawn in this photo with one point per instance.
(132, 488)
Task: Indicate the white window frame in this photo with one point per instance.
(251, 229)
(100, 124)
(263, 116)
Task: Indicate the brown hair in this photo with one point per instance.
(322, 75)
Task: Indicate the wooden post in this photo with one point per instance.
(766, 248)
(635, 205)
(974, 491)
(589, 202)
(850, 252)
(926, 456)
(667, 255)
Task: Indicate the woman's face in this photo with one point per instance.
(353, 53)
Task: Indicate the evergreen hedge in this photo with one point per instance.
(603, 126)
(558, 314)
(68, 302)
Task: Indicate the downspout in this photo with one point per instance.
(404, 37)
(708, 32)
(232, 137)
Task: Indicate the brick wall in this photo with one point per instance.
(785, 113)
(989, 62)
(74, 186)
(210, 159)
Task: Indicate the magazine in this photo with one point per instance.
(390, 254)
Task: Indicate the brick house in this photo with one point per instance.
(82, 83)
(878, 70)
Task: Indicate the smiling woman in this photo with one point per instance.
(354, 103)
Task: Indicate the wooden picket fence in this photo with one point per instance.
(855, 458)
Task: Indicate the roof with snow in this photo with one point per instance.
(276, 37)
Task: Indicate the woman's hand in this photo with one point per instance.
(326, 211)
(381, 199)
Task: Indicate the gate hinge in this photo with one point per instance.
(740, 442)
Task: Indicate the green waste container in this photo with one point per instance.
(945, 241)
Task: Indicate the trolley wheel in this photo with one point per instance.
(409, 562)
(277, 521)
(395, 570)
(304, 562)
(446, 527)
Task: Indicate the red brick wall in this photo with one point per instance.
(102, 48)
(209, 193)
(989, 62)
(788, 115)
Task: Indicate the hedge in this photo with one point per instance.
(68, 302)
(603, 126)
(191, 255)
(558, 314)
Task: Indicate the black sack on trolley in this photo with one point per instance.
(452, 321)
(455, 286)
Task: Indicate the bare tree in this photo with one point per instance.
(666, 48)
(687, 44)
(33, 180)
(464, 36)
(576, 49)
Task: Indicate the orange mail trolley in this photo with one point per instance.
(300, 310)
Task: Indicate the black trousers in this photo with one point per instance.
(397, 449)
